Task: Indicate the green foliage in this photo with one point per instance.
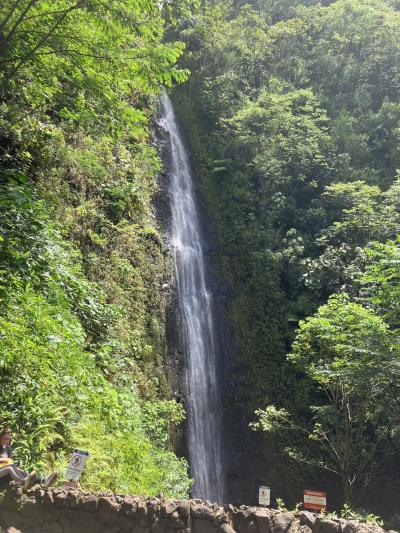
(81, 258)
(296, 144)
(286, 136)
(380, 280)
(80, 49)
(54, 393)
(341, 344)
(358, 203)
(123, 456)
(351, 514)
(280, 504)
(160, 417)
(35, 255)
(348, 352)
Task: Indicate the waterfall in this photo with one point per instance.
(200, 338)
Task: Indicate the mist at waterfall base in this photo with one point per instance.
(203, 402)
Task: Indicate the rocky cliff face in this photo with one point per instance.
(61, 511)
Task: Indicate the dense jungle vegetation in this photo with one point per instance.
(82, 262)
(292, 110)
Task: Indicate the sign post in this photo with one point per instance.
(264, 496)
(314, 500)
(75, 467)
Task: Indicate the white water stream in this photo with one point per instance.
(200, 338)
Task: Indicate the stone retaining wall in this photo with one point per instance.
(61, 511)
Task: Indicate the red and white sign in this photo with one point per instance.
(314, 499)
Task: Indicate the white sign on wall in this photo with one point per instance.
(264, 496)
(76, 465)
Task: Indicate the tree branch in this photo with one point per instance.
(59, 11)
(19, 20)
(78, 5)
(10, 14)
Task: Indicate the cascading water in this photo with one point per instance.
(200, 339)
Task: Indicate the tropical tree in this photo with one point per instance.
(348, 353)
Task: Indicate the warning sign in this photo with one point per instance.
(315, 500)
(264, 496)
(76, 464)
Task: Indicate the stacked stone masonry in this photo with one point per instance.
(61, 511)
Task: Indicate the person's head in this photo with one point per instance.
(5, 436)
